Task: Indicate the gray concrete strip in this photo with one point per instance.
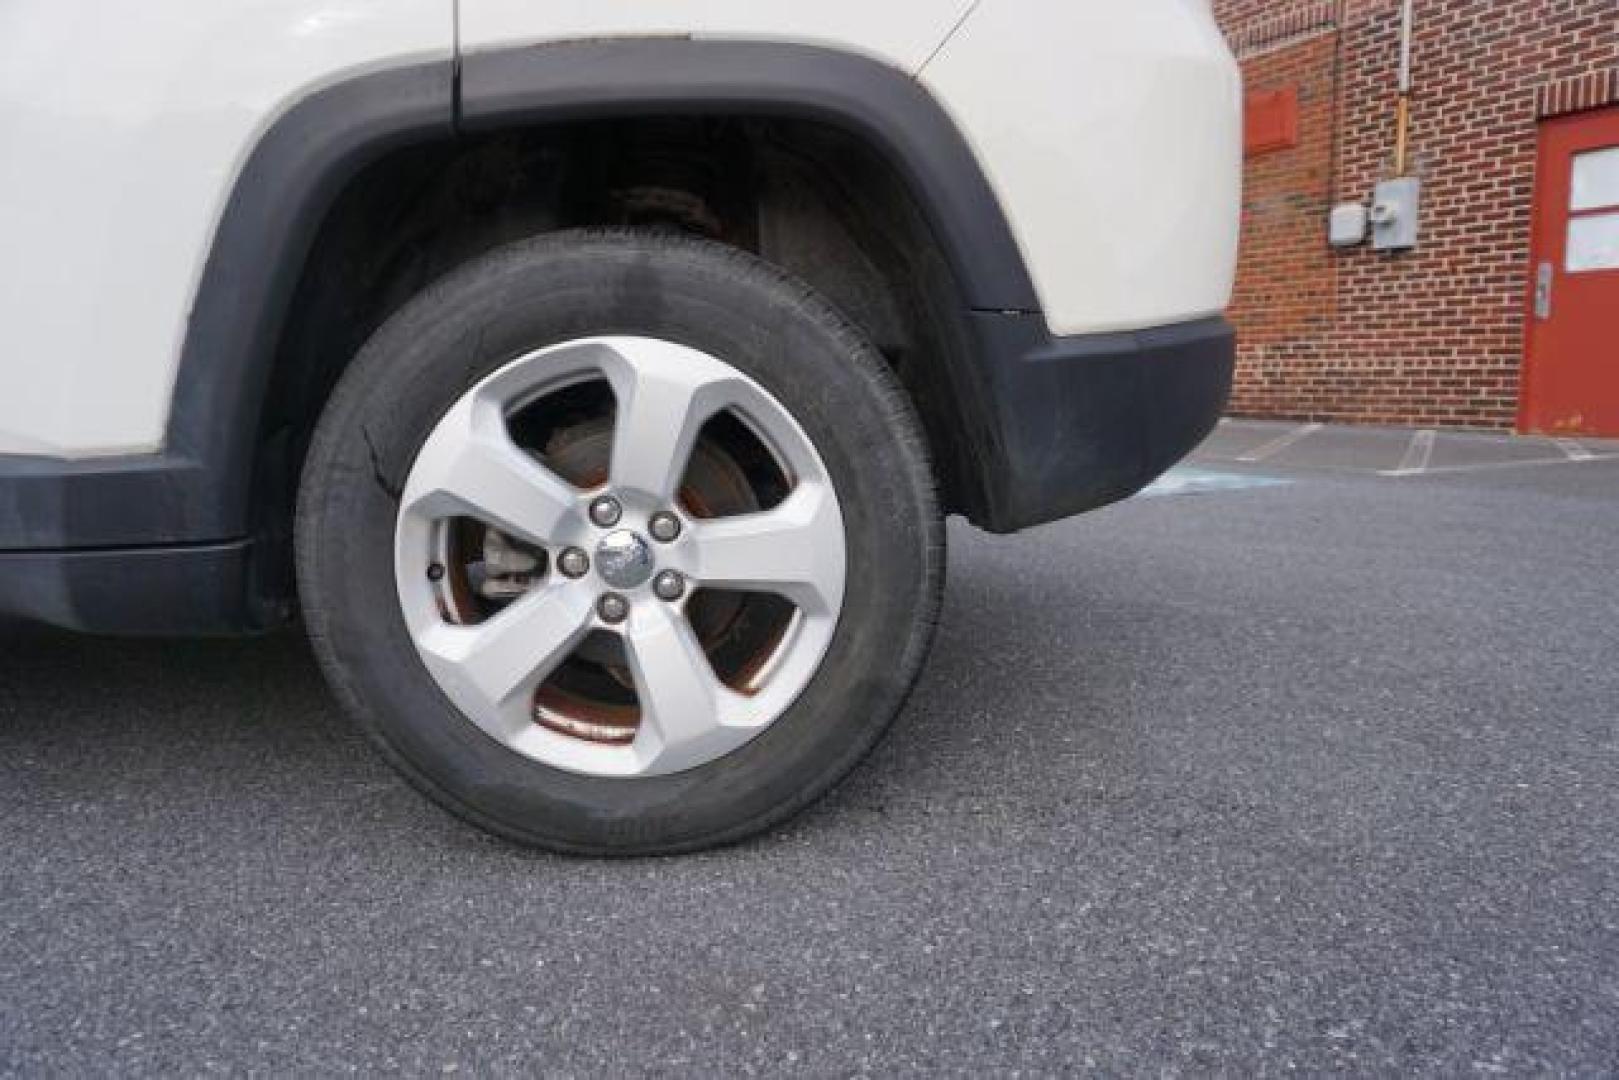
(1519, 463)
(1233, 438)
(1388, 451)
(1467, 449)
(1277, 445)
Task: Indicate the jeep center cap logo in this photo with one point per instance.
(623, 559)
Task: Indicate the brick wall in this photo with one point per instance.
(1433, 336)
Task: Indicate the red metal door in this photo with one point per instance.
(1571, 383)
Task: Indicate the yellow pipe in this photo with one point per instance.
(1402, 134)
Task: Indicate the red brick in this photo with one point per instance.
(1434, 335)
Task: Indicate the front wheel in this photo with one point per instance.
(619, 543)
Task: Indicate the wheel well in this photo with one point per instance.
(804, 195)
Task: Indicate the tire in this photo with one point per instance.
(562, 288)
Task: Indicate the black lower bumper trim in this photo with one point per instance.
(181, 590)
(1087, 421)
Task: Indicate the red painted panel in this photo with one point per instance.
(1571, 376)
(1270, 121)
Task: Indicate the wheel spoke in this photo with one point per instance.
(684, 708)
(795, 550)
(491, 669)
(665, 394)
(470, 466)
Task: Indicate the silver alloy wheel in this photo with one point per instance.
(470, 467)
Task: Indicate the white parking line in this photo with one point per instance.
(1417, 455)
(1280, 443)
(1573, 450)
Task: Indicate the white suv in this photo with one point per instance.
(593, 375)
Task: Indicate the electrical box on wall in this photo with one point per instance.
(1347, 226)
(1395, 214)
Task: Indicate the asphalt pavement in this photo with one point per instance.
(1303, 766)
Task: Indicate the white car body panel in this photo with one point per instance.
(902, 33)
(1110, 133)
(1113, 139)
(124, 126)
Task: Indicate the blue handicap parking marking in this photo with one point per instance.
(1187, 480)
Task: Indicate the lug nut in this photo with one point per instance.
(613, 608)
(669, 585)
(574, 563)
(664, 526)
(435, 572)
(605, 511)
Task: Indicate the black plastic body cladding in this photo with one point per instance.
(1087, 421)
